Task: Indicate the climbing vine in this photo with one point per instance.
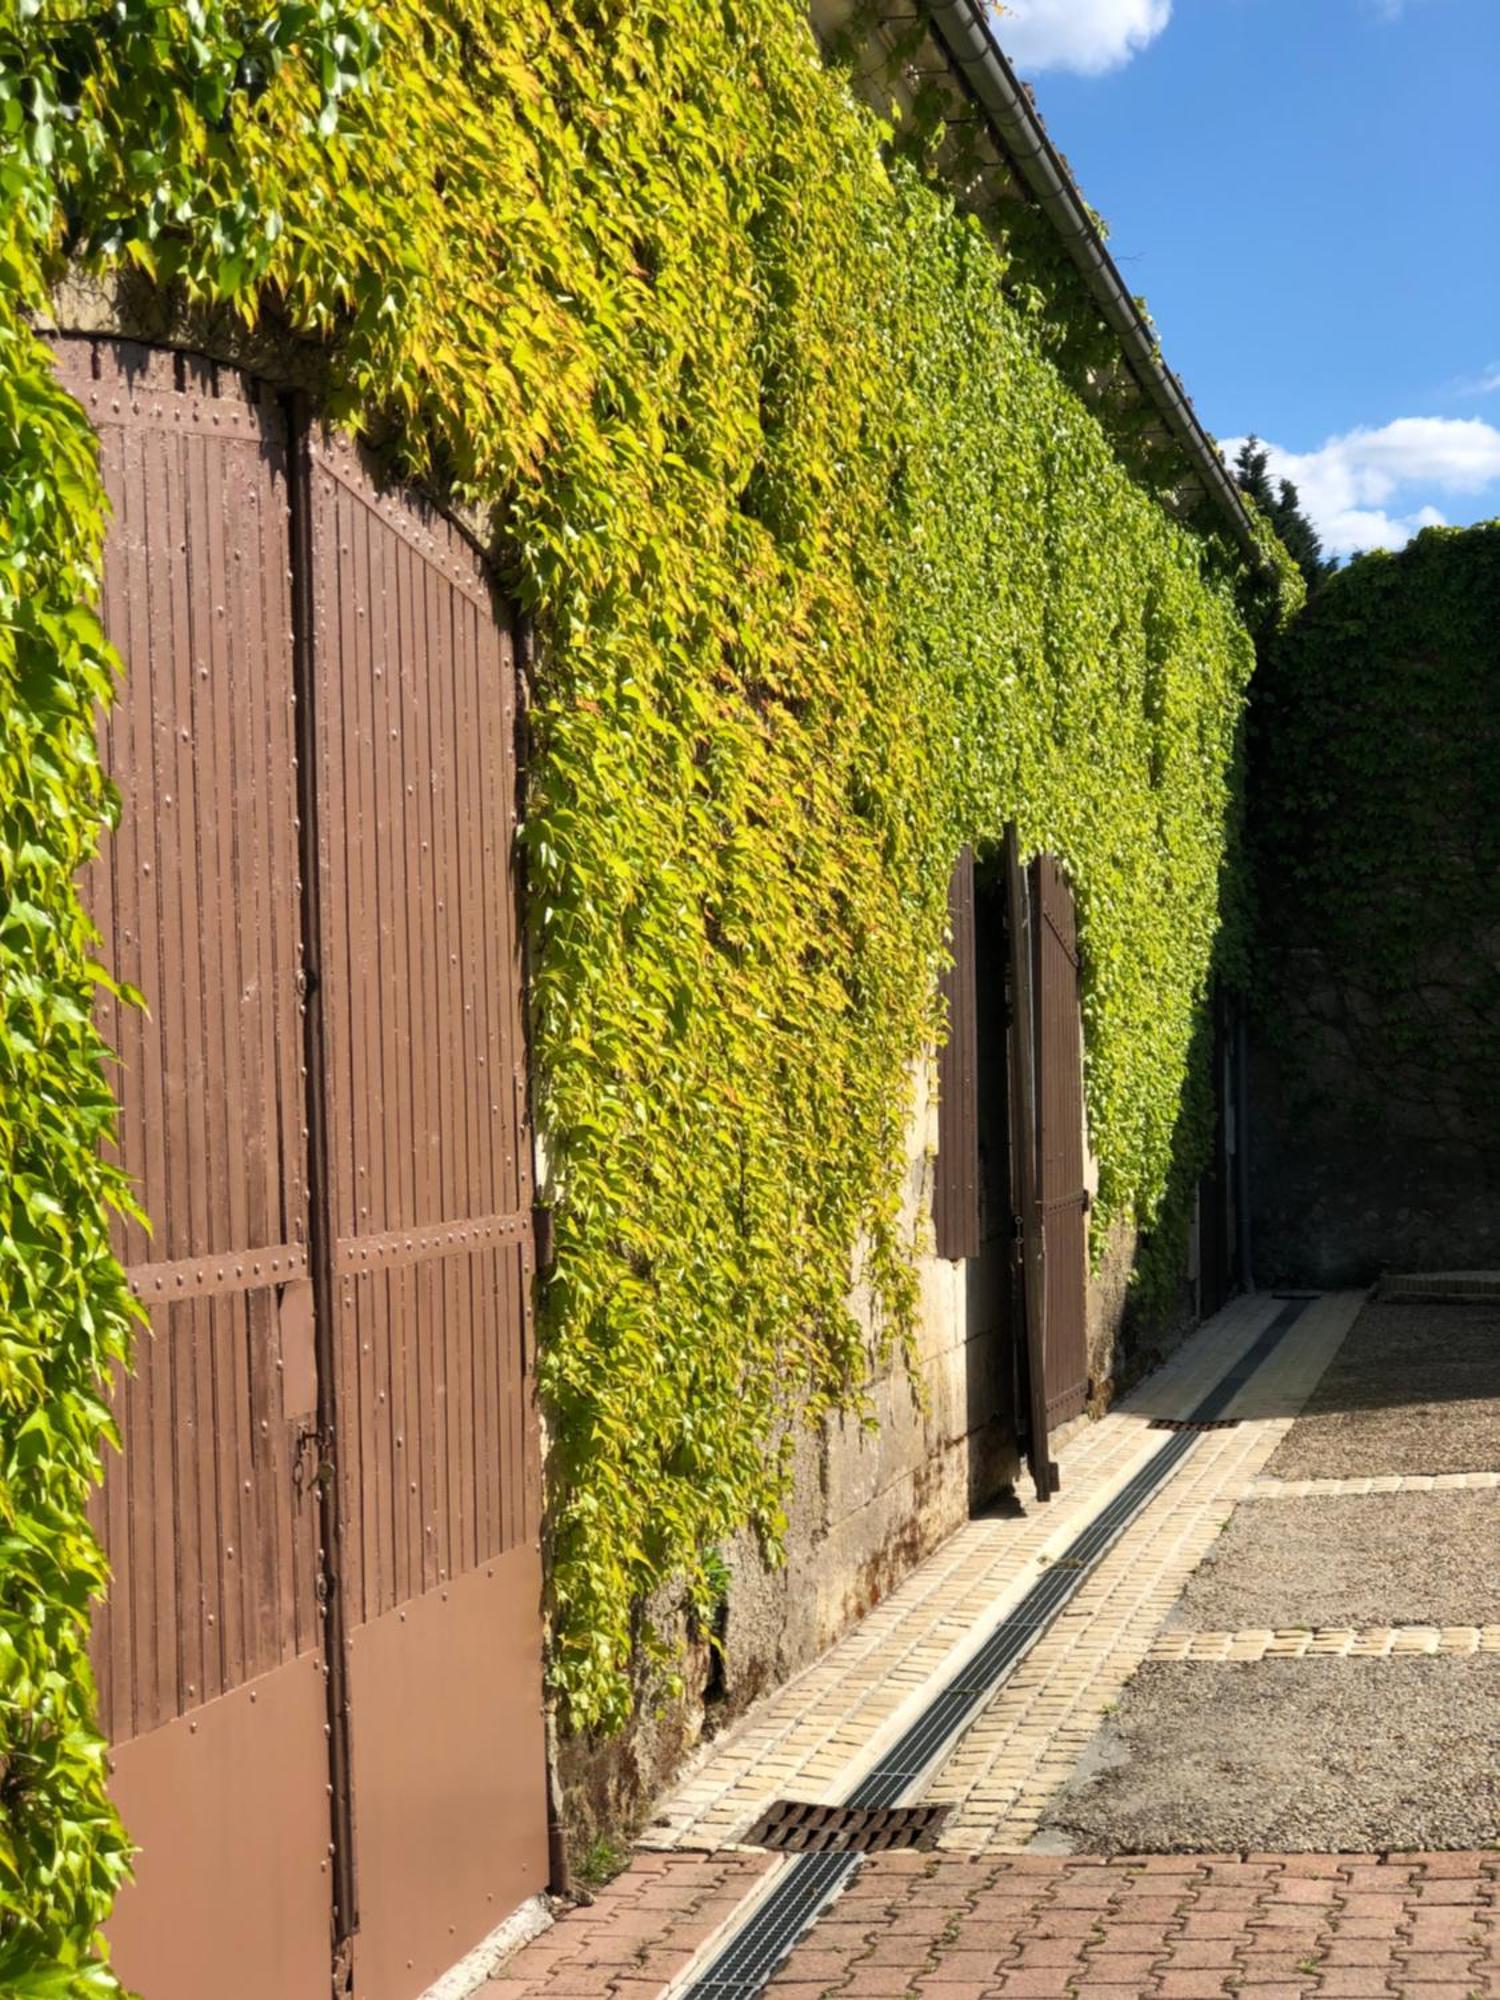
(831, 569)
(1376, 757)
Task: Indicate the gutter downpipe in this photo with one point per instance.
(963, 28)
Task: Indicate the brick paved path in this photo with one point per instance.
(948, 1927)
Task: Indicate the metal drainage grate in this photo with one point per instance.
(795, 1826)
(1194, 1424)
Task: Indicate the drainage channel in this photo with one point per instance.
(749, 1958)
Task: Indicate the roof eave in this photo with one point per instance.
(963, 28)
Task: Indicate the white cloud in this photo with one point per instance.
(1348, 484)
(1089, 36)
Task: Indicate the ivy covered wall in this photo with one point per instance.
(1376, 780)
(831, 571)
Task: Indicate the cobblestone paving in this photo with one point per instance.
(948, 1927)
(813, 1738)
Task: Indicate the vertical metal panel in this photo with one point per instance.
(412, 685)
(955, 1186)
(1025, 1153)
(1064, 1198)
(452, 1786)
(992, 1292)
(211, 1537)
(228, 1902)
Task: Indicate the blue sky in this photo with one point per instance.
(1307, 192)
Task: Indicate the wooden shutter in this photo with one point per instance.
(955, 1192)
(1064, 1200)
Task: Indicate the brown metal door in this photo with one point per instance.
(209, 1650)
(1060, 1142)
(428, 1186)
(314, 749)
(1215, 1196)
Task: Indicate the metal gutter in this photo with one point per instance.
(963, 27)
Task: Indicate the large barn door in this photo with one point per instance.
(320, 1658)
(209, 1650)
(428, 1222)
(1060, 1142)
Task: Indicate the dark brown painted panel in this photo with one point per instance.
(955, 1187)
(414, 689)
(1024, 1114)
(213, 1545)
(1064, 1199)
(1216, 1207)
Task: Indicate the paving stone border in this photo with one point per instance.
(1330, 1642)
(1344, 1489)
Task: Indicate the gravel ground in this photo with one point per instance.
(1380, 1559)
(1414, 1388)
(1291, 1756)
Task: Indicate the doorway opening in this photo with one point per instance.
(992, 1275)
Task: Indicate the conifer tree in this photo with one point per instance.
(1282, 506)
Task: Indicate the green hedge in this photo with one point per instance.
(831, 571)
(1376, 754)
